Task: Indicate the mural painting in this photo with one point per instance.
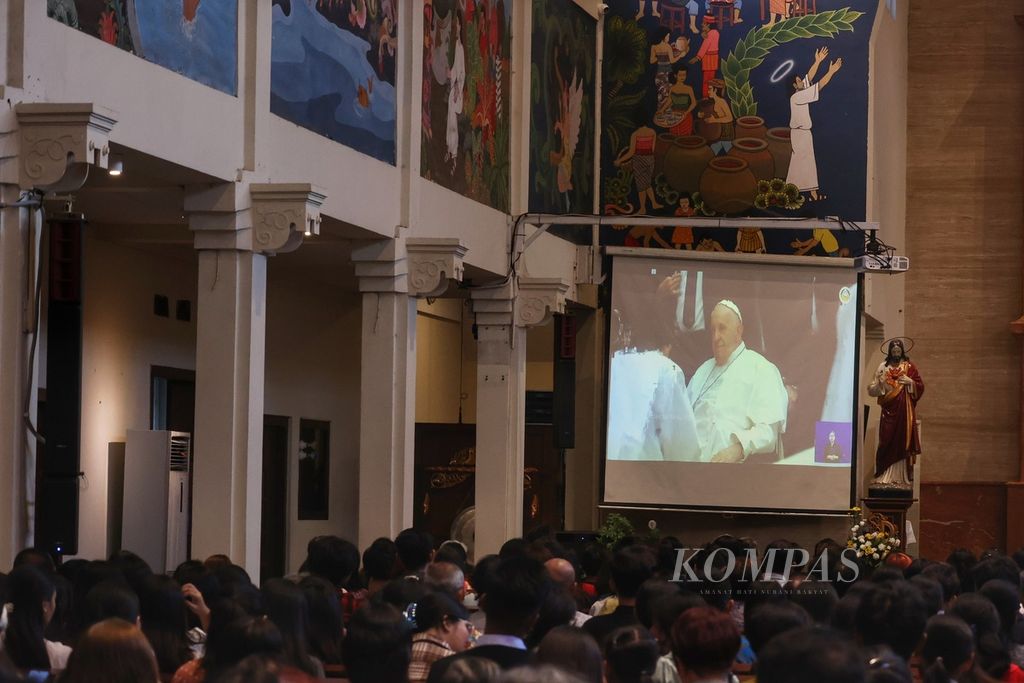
(196, 38)
(562, 108)
(333, 70)
(467, 48)
(726, 108)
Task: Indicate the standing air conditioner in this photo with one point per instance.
(157, 519)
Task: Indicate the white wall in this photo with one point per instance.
(121, 340)
(312, 371)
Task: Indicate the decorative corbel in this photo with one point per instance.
(59, 142)
(282, 214)
(432, 263)
(538, 299)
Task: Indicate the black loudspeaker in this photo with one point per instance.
(563, 409)
(59, 469)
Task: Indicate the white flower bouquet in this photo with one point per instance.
(872, 540)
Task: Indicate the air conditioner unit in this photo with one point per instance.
(157, 519)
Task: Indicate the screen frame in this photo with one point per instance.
(834, 263)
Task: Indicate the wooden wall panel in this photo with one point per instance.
(962, 515)
(965, 173)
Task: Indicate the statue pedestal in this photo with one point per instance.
(892, 504)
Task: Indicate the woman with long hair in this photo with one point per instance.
(34, 601)
(112, 651)
(326, 626)
(233, 636)
(165, 622)
(287, 608)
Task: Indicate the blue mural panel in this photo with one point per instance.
(196, 38)
(333, 70)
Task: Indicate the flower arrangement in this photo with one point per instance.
(872, 539)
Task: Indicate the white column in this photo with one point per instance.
(16, 448)
(228, 453)
(502, 316)
(387, 403)
(500, 419)
(235, 227)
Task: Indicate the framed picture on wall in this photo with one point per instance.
(314, 469)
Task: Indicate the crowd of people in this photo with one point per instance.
(406, 611)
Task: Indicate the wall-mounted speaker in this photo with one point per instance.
(563, 408)
(59, 457)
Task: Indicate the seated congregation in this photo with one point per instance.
(406, 611)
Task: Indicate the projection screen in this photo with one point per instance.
(732, 384)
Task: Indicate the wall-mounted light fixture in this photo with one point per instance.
(116, 165)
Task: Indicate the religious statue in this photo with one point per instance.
(899, 387)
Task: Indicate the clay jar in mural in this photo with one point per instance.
(750, 127)
(755, 153)
(686, 161)
(663, 144)
(728, 185)
(709, 131)
(781, 148)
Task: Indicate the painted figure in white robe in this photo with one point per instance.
(739, 401)
(456, 93)
(803, 169)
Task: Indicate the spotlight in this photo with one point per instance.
(116, 165)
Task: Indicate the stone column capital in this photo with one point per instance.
(219, 216)
(267, 218)
(539, 298)
(494, 306)
(381, 267)
(529, 302)
(284, 213)
(59, 142)
(419, 267)
(432, 262)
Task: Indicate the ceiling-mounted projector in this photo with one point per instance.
(878, 263)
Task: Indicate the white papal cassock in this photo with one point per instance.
(741, 401)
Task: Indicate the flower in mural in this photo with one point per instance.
(108, 27)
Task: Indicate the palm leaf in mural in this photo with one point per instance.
(625, 53)
(620, 117)
(751, 50)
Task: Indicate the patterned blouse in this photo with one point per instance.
(425, 651)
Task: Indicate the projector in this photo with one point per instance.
(871, 263)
